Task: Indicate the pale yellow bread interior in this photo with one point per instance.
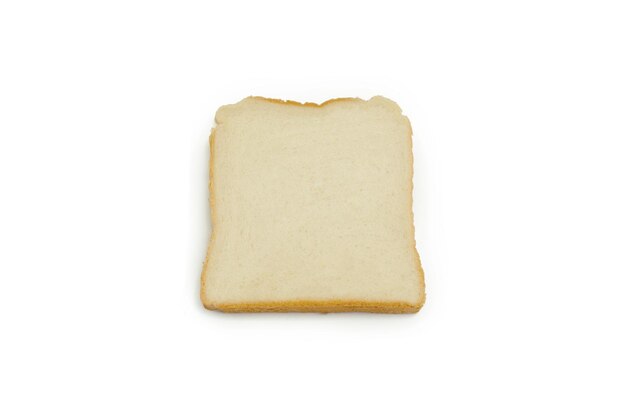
(311, 209)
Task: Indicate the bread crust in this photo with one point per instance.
(309, 306)
(203, 296)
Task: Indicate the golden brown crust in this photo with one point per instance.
(420, 270)
(205, 301)
(309, 306)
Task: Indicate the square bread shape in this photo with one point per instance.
(311, 209)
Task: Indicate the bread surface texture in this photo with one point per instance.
(311, 209)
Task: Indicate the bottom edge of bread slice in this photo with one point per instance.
(312, 306)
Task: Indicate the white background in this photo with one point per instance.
(519, 115)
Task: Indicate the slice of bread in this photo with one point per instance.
(311, 208)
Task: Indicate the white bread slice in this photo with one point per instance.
(311, 209)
